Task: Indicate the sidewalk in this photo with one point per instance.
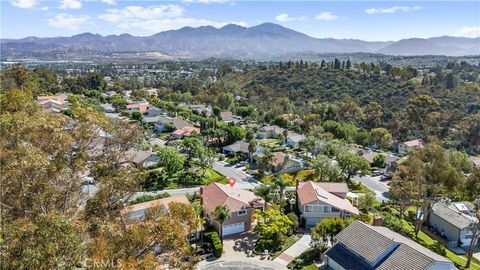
(295, 250)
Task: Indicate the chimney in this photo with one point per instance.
(201, 197)
(377, 221)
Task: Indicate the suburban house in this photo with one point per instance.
(321, 200)
(236, 147)
(241, 204)
(201, 109)
(136, 213)
(166, 123)
(269, 132)
(390, 160)
(294, 139)
(226, 116)
(184, 132)
(141, 158)
(139, 106)
(281, 162)
(53, 104)
(107, 108)
(361, 246)
(453, 222)
(406, 147)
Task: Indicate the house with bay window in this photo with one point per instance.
(317, 201)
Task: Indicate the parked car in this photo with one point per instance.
(377, 173)
(385, 177)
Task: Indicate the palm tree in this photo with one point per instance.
(281, 184)
(200, 221)
(267, 158)
(221, 214)
(265, 192)
(252, 147)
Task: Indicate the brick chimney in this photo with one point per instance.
(201, 197)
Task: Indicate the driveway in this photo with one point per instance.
(244, 180)
(238, 254)
(374, 184)
(294, 251)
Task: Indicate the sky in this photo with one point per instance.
(366, 20)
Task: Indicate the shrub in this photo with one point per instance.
(294, 218)
(147, 198)
(438, 248)
(213, 238)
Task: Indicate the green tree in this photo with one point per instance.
(367, 202)
(252, 147)
(265, 192)
(220, 214)
(373, 114)
(352, 164)
(326, 230)
(381, 137)
(50, 241)
(272, 228)
(324, 168)
(379, 161)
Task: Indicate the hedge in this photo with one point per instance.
(213, 238)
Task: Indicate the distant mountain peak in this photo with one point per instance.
(265, 40)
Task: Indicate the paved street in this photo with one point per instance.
(244, 180)
(374, 184)
(294, 251)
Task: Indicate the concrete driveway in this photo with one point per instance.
(294, 251)
(238, 254)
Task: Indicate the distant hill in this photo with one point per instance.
(263, 41)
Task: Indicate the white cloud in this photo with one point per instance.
(156, 18)
(44, 8)
(70, 4)
(23, 3)
(109, 2)
(283, 18)
(468, 31)
(205, 1)
(326, 16)
(131, 14)
(71, 22)
(391, 10)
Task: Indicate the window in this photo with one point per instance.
(318, 208)
(335, 210)
(242, 212)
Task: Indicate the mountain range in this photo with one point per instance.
(231, 41)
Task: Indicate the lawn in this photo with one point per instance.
(426, 240)
(268, 142)
(213, 176)
(288, 243)
(304, 261)
(303, 175)
(357, 187)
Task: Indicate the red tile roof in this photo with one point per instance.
(309, 192)
(234, 198)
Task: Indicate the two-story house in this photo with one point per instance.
(365, 247)
(240, 203)
(406, 147)
(317, 201)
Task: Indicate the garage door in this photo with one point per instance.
(233, 228)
